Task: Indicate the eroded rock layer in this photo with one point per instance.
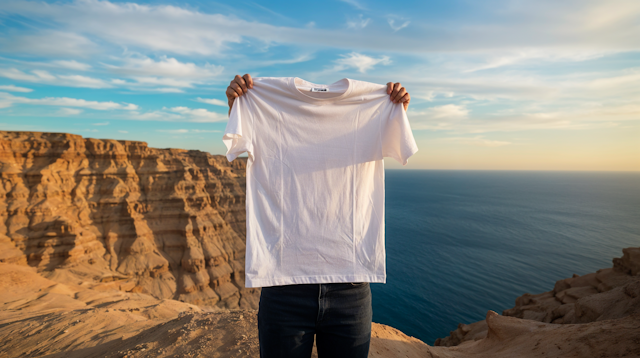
(118, 214)
(607, 294)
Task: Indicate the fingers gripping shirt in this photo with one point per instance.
(315, 178)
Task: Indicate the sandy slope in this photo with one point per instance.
(39, 317)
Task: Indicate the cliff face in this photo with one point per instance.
(119, 214)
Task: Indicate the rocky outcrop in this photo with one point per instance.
(169, 223)
(607, 294)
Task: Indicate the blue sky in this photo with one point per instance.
(543, 85)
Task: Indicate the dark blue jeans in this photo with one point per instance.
(338, 314)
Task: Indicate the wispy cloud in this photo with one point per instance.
(359, 61)
(66, 102)
(359, 23)
(198, 114)
(177, 114)
(477, 141)
(185, 131)
(69, 111)
(284, 61)
(212, 101)
(536, 56)
(438, 117)
(72, 65)
(570, 26)
(166, 68)
(355, 4)
(41, 76)
(397, 23)
(45, 42)
(456, 121)
(12, 88)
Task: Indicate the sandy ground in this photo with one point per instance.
(40, 317)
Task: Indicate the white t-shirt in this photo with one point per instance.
(315, 178)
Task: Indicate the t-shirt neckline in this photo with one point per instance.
(307, 98)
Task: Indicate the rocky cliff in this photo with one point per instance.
(605, 295)
(169, 223)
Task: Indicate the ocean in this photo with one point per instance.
(460, 243)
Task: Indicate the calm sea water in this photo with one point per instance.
(460, 243)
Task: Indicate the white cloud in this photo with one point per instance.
(477, 141)
(198, 114)
(124, 132)
(265, 63)
(41, 76)
(359, 61)
(83, 81)
(174, 131)
(534, 56)
(47, 42)
(399, 25)
(69, 111)
(355, 4)
(157, 115)
(160, 27)
(177, 114)
(136, 86)
(206, 131)
(163, 81)
(66, 102)
(167, 72)
(184, 131)
(163, 90)
(438, 117)
(130, 107)
(445, 111)
(165, 67)
(359, 23)
(72, 65)
(597, 115)
(213, 101)
(571, 25)
(101, 124)
(12, 88)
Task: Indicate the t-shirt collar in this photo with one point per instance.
(310, 99)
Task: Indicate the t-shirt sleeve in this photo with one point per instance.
(397, 137)
(238, 136)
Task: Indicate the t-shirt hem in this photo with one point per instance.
(281, 281)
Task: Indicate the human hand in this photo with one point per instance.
(398, 94)
(237, 88)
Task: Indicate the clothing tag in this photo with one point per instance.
(318, 89)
